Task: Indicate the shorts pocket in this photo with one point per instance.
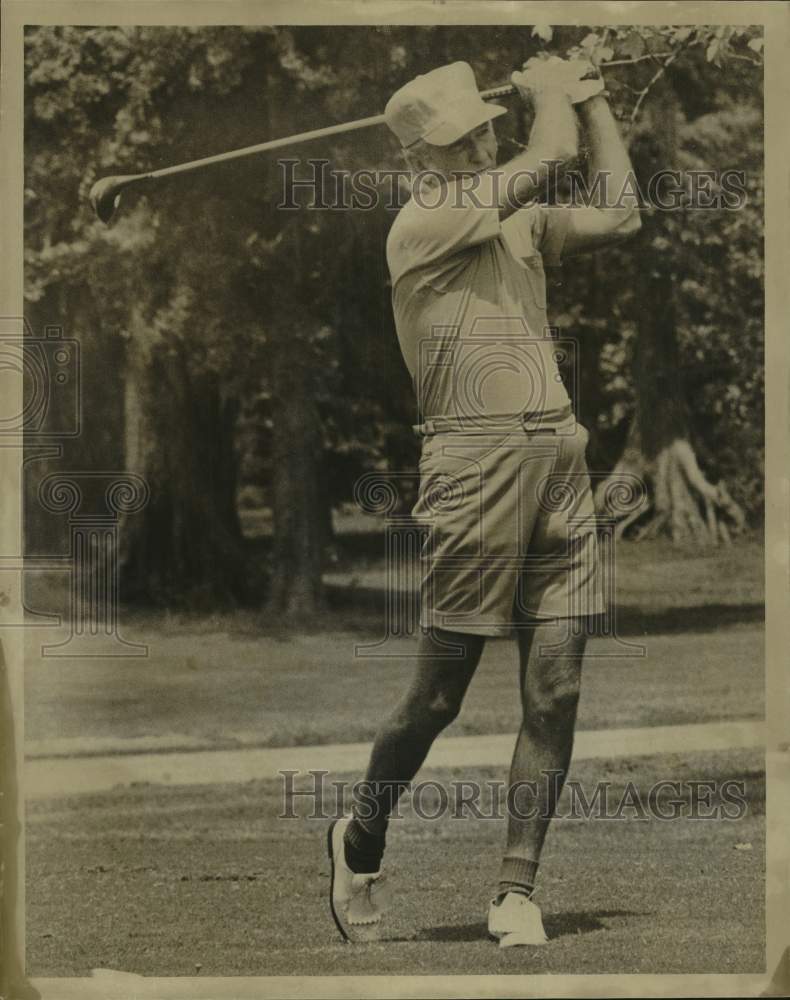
(428, 449)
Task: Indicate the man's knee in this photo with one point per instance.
(444, 708)
(432, 712)
(553, 699)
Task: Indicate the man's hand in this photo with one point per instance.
(540, 76)
(578, 79)
(584, 80)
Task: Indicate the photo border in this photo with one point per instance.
(775, 19)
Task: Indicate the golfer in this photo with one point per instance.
(504, 496)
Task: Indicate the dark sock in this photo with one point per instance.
(516, 875)
(363, 849)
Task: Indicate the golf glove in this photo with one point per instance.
(577, 78)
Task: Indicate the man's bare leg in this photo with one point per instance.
(402, 743)
(549, 693)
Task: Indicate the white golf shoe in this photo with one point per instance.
(357, 900)
(516, 920)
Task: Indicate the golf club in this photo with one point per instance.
(105, 194)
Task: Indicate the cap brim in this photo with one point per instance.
(462, 119)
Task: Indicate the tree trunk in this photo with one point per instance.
(658, 448)
(296, 587)
(299, 499)
(186, 544)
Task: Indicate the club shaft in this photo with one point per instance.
(293, 140)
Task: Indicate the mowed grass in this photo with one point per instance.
(242, 678)
(180, 881)
(311, 689)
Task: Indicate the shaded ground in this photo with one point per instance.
(311, 689)
(163, 881)
(226, 678)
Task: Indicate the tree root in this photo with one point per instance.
(681, 501)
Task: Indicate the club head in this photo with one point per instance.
(106, 193)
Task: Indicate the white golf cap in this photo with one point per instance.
(439, 107)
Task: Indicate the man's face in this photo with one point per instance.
(472, 153)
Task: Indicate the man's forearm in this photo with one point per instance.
(554, 132)
(608, 154)
(554, 138)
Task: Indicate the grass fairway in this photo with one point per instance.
(186, 880)
(176, 881)
(221, 690)
(221, 680)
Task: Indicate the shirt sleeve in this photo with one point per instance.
(438, 224)
(549, 228)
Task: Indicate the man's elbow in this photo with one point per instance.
(621, 225)
(565, 152)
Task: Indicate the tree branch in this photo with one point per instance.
(636, 59)
(748, 59)
(654, 79)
